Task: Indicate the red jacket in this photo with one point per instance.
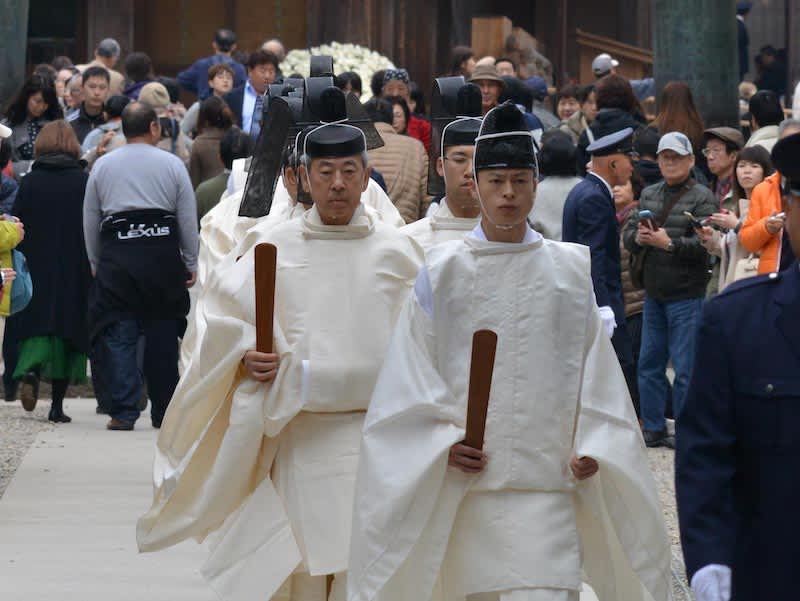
(421, 130)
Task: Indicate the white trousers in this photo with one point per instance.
(303, 587)
(530, 594)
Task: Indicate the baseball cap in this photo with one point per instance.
(5, 132)
(108, 48)
(603, 63)
(676, 142)
(154, 95)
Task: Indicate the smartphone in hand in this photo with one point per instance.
(697, 224)
(647, 218)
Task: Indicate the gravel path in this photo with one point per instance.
(18, 430)
(662, 464)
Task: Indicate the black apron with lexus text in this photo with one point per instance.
(140, 273)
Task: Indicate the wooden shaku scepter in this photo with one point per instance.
(484, 345)
(265, 267)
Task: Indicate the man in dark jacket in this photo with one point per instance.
(195, 78)
(590, 218)
(247, 100)
(96, 82)
(675, 277)
(738, 436)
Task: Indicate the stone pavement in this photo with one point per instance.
(68, 519)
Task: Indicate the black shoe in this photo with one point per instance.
(29, 391)
(10, 394)
(658, 438)
(156, 423)
(59, 417)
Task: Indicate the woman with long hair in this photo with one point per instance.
(52, 330)
(752, 166)
(214, 120)
(678, 112)
(32, 108)
(462, 61)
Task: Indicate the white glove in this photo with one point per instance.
(609, 321)
(712, 583)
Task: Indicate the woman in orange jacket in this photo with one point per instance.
(761, 232)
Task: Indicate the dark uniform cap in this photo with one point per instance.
(334, 141)
(786, 158)
(620, 142)
(513, 151)
(462, 132)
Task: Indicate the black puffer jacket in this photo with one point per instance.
(606, 122)
(683, 273)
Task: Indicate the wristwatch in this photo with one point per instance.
(670, 246)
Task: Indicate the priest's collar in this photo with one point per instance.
(361, 225)
(443, 219)
(531, 236)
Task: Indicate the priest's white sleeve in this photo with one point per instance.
(626, 548)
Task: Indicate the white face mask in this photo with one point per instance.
(478, 140)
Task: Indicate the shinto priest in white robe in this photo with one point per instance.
(524, 524)
(273, 466)
(221, 229)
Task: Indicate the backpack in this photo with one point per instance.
(22, 286)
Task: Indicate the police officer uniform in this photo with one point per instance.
(738, 435)
(590, 218)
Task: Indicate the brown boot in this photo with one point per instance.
(115, 424)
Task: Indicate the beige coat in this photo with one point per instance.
(404, 166)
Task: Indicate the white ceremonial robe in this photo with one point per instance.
(222, 228)
(271, 468)
(524, 524)
(440, 227)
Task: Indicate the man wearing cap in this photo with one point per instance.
(674, 274)
(490, 83)
(590, 218)
(269, 442)
(721, 151)
(173, 140)
(739, 432)
(459, 210)
(195, 78)
(397, 83)
(502, 524)
(604, 64)
(96, 81)
(106, 55)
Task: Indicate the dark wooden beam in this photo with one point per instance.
(110, 19)
(13, 46)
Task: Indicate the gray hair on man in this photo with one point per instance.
(276, 47)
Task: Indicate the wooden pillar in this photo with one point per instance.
(695, 41)
(110, 19)
(792, 48)
(13, 46)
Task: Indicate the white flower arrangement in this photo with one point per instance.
(346, 57)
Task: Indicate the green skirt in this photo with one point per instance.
(53, 358)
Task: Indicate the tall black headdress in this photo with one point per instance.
(504, 141)
(452, 100)
(289, 108)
